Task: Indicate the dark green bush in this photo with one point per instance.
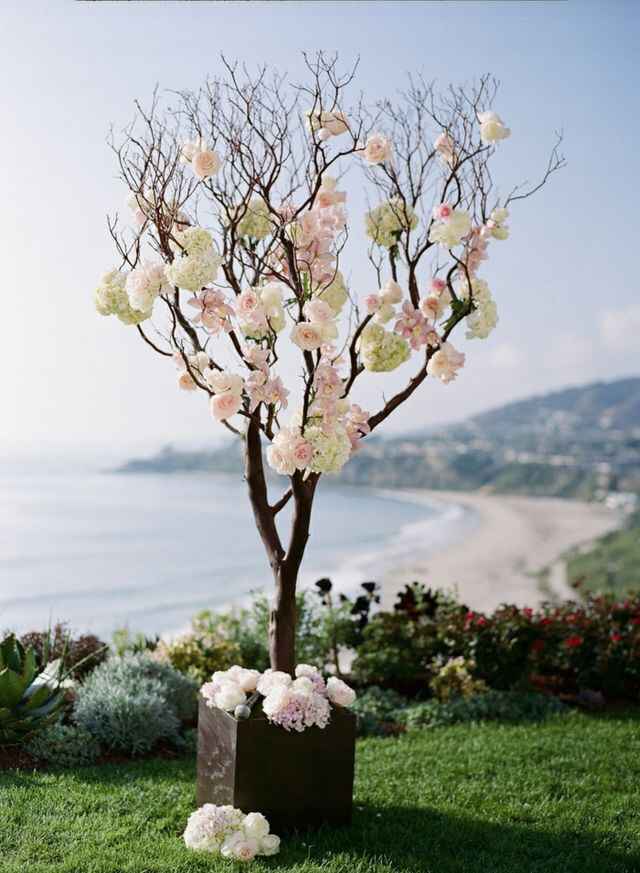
(505, 706)
(377, 711)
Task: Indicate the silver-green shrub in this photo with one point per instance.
(128, 704)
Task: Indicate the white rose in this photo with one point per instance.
(271, 679)
(303, 685)
(339, 692)
(239, 848)
(269, 845)
(377, 149)
(228, 696)
(307, 670)
(223, 383)
(256, 827)
(246, 679)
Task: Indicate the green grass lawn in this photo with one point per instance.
(555, 798)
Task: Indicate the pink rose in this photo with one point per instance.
(377, 149)
(442, 212)
(247, 301)
(302, 452)
(205, 164)
(307, 336)
(373, 303)
(437, 286)
(225, 405)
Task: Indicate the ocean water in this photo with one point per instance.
(101, 550)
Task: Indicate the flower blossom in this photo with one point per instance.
(387, 222)
(449, 231)
(111, 298)
(492, 128)
(339, 692)
(414, 327)
(327, 123)
(444, 146)
(213, 310)
(204, 161)
(437, 299)
(445, 363)
(382, 350)
(230, 833)
(377, 149)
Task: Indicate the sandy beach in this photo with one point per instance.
(513, 539)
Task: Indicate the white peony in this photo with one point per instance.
(269, 845)
(238, 847)
(492, 128)
(256, 826)
(229, 695)
(339, 692)
(271, 679)
(377, 149)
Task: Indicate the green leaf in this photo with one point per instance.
(11, 688)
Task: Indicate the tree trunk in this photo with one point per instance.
(285, 565)
(282, 619)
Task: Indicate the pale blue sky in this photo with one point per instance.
(565, 282)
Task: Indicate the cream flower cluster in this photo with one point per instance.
(492, 127)
(335, 293)
(496, 225)
(111, 298)
(382, 350)
(450, 225)
(293, 703)
(199, 264)
(257, 221)
(320, 450)
(386, 222)
(226, 831)
(484, 317)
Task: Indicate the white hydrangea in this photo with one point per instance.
(193, 272)
(381, 350)
(257, 222)
(111, 298)
(335, 294)
(194, 241)
(209, 826)
(331, 449)
(387, 221)
(449, 233)
(484, 317)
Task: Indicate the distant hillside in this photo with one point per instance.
(580, 442)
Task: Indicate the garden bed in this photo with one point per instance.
(560, 796)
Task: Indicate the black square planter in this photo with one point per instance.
(297, 780)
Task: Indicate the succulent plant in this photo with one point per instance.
(28, 700)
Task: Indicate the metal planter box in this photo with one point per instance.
(297, 780)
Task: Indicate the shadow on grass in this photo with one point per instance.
(410, 840)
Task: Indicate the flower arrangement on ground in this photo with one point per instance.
(232, 266)
(228, 832)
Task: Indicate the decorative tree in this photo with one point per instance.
(238, 246)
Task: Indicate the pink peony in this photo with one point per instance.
(223, 406)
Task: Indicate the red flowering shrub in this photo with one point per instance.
(593, 645)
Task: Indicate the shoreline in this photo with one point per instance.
(500, 557)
